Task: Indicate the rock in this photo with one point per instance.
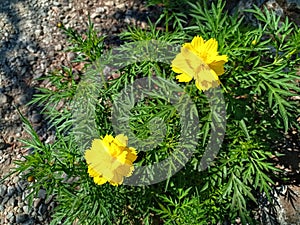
(287, 213)
(40, 218)
(7, 161)
(42, 209)
(9, 215)
(21, 218)
(293, 3)
(36, 118)
(100, 10)
(5, 200)
(3, 144)
(10, 139)
(30, 221)
(38, 32)
(21, 185)
(10, 191)
(12, 219)
(71, 56)
(94, 15)
(15, 179)
(12, 202)
(31, 48)
(55, 3)
(58, 47)
(3, 189)
(36, 202)
(274, 6)
(26, 209)
(42, 194)
(3, 99)
(21, 99)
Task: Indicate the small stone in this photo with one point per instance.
(21, 185)
(10, 191)
(71, 56)
(127, 20)
(9, 215)
(94, 15)
(21, 99)
(55, 3)
(40, 218)
(51, 53)
(12, 219)
(3, 99)
(36, 202)
(272, 4)
(26, 209)
(293, 3)
(42, 209)
(114, 29)
(32, 59)
(109, 3)
(38, 32)
(3, 145)
(100, 10)
(58, 47)
(10, 139)
(3, 189)
(65, 21)
(36, 118)
(15, 179)
(21, 218)
(31, 48)
(5, 200)
(129, 13)
(42, 194)
(7, 161)
(20, 206)
(121, 6)
(117, 15)
(12, 202)
(31, 221)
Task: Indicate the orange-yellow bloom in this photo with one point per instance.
(200, 60)
(110, 160)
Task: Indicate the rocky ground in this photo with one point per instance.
(30, 46)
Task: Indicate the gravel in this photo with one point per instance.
(31, 46)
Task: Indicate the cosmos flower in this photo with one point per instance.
(110, 160)
(200, 60)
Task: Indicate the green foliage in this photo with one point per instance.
(173, 13)
(260, 79)
(89, 46)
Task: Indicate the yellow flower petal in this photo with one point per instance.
(200, 60)
(197, 42)
(122, 140)
(206, 79)
(184, 77)
(100, 180)
(109, 159)
(218, 67)
(211, 47)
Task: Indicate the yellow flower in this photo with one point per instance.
(30, 178)
(254, 42)
(59, 25)
(110, 160)
(200, 60)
